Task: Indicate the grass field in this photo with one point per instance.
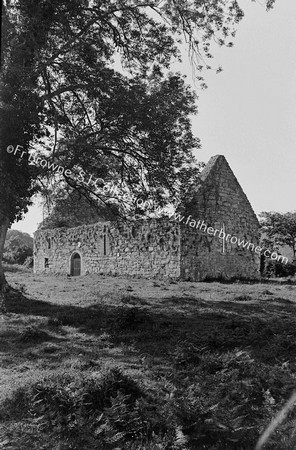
(96, 362)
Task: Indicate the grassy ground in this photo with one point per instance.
(97, 362)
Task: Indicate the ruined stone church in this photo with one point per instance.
(166, 247)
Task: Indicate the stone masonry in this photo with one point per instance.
(145, 248)
(221, 203)
(165, 248)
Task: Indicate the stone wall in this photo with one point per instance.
(220, 203)
(162, 247)
(205, 257)
(144, 248)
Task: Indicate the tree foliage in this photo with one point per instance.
(279, 229)
(18, 247)
(72, 209)
(58, 79)
(95, 75)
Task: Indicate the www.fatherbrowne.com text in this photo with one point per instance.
(200, 225)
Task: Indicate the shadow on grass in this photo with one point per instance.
(90, 318)
(269, 333)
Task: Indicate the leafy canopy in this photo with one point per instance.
(18, 247)
(60, 81)
(280, 229)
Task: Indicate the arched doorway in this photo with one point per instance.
(75, 265)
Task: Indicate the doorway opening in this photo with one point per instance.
(75, 265)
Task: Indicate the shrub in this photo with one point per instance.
(18, 246)
(29, 262)
(278, 269)
(228, 399)
(99, 392)
(186, 354)
(94, 412)
(18, 255)
(223, 402)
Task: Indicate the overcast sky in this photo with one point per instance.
(248, 112)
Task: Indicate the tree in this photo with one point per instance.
(16, 239)
(18, 247)
(144, 145)
(72, 209)
(58, 81)
(280, 229)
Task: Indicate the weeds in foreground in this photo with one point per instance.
(99, 411)
(212, 401)
(221, 373)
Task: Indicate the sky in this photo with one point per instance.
(248, 112)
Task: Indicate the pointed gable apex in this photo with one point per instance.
(210, 166)
(220, 192)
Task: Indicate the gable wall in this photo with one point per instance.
(146, 248)
(163, 248)
(202, 257)
(220, 201)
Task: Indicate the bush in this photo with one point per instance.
(18, 255)
(229, 399)
(224, 402)
(29, 262)
(103, 412)
(278, 269)
(18, 247)
(14, 268)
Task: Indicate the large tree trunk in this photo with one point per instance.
(4, 224)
